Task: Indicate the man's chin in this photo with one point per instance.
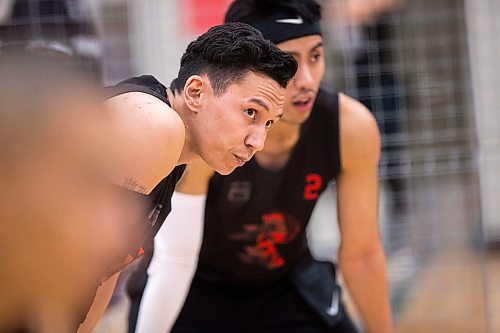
(225, 170)
(295, 120)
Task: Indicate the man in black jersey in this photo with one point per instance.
(255, 272)
(228, 93)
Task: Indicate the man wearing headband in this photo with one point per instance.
(255, 272)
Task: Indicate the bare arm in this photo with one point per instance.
(101, 301)
(152, 137)
(361, 255)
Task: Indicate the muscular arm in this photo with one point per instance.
(176, 253)
(152, 137)
(361, 255)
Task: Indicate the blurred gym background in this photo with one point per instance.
(429, 71)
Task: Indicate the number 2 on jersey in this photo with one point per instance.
(313, 186)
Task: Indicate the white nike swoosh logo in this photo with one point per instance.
(333, 309)
(297, 20)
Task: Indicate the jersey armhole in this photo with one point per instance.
(336, 124)
(331, 101)
(127, 87)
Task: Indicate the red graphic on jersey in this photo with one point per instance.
(313, 186)
(276, 229)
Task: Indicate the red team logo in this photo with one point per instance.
(276, 229)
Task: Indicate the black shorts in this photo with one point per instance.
(219, 308)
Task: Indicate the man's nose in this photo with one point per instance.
(256, 138)
(304, 78)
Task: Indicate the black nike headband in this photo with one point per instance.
(282, 26)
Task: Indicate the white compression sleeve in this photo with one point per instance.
(177, 246)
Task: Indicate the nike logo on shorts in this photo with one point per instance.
(333, 309)
(297, 20)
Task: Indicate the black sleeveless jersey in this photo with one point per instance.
(158, 202)
(255, 219)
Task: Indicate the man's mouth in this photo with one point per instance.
(304, 103)
(241, 160)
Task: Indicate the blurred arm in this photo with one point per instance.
(177, 246)
(361, 255)
(101, 301)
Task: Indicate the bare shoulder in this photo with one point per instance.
(144, 110)
(151, 134)
(359, 134)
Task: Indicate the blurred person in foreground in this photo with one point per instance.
(255, 272)
(59, 211)
(229, 91)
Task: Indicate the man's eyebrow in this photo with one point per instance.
(318, 45)
(260, 102)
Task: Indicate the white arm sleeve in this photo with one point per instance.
(176, 249)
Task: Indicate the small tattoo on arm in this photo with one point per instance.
(130, 184)
(142, 189)
(133, 185)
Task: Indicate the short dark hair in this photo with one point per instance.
(227, 52)
(249, 11)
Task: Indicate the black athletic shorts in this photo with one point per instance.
(218, 308)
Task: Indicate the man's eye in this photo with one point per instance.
(251, 113)
(269, 123)
(315, 57)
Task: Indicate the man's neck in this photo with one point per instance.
(188, 153)
(282, 137)
(280, 142)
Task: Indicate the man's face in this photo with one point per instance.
(301, 92)
(232, 127)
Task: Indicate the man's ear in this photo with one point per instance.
(193, 92)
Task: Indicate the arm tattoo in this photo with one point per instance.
(133, 185)
(142, 189)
